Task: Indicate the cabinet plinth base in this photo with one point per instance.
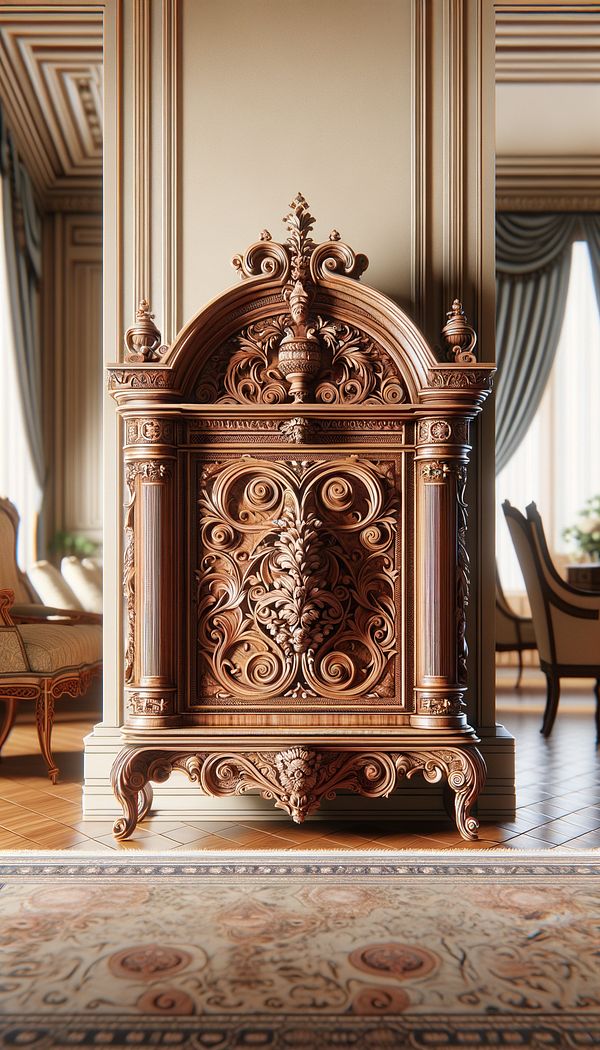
(297, 778)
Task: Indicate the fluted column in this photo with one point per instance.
(441, 570)
(150, 570)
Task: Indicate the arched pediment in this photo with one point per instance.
(301, 327)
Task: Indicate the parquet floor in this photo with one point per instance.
(558, 795)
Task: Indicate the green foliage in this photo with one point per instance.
(71, 543)
(585, 534)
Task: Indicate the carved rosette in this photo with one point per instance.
(298, 778)
(296, 586)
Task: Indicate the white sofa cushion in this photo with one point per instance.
(83, 580)
(52, 588)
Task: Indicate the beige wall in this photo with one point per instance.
(72, 318)
(382, 114)
(278, 98)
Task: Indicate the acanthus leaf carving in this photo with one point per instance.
(354, 369)
(298, 778)
(297, 578)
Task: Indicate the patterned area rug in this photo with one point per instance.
(303, 952)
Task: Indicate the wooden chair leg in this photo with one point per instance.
(597, 692)
(8, 713)
(44, 714)
(520, 659)
(552, 698)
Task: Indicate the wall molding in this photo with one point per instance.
(170, 168)
(548, 183)
(142, 145)
(547, 44)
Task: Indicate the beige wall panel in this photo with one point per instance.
(275, 101)
(73, 307)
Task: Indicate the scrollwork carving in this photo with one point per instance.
(143, 378)
(297, 580)
(298, 778)
(355, 370)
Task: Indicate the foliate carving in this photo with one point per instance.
(297, 580)
(439, 705)
(354, 369)
(460, 379)
(299, 255)
(142, 340)
(19, 692)
(460, 336)
(435, 471)
(463, 575)
(147, 378)
(299, 778)
(297, 429)
(150, 431)
(146, 704)
(440, 431)
(150, 470)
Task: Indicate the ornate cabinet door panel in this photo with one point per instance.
(296, 572)
(297, 582)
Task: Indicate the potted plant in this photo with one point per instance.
(585, 534)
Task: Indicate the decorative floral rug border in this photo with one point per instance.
(556, 1031)
(330, 863)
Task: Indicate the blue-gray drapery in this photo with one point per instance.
(22, 236)
(533, 261)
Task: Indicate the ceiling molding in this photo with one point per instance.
(51, 90)
(551, 183)
(544, 44)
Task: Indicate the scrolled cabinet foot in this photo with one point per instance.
(297, 779)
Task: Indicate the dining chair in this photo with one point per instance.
(566, 620)
(513, 633)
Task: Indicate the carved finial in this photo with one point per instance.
(142, 340)
(460, 336)
(265, 235)
(335, 236)
(299, 222)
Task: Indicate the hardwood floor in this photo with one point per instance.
(558, 794)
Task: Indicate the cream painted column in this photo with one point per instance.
(391, 135)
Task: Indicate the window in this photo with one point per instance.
(558, 462)
(17, 476)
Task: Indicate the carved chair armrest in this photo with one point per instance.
(49, 614)
(6, 602)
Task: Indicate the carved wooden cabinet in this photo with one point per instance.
(296, 576)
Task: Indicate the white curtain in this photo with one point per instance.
(18, 479)
(558, 462)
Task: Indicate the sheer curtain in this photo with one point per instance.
(558, 462)
(18, 478)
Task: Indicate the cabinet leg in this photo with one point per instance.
(130, 785)
(466, 780)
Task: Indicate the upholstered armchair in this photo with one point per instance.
(513, 633)
(45, 652)
(566, 620)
